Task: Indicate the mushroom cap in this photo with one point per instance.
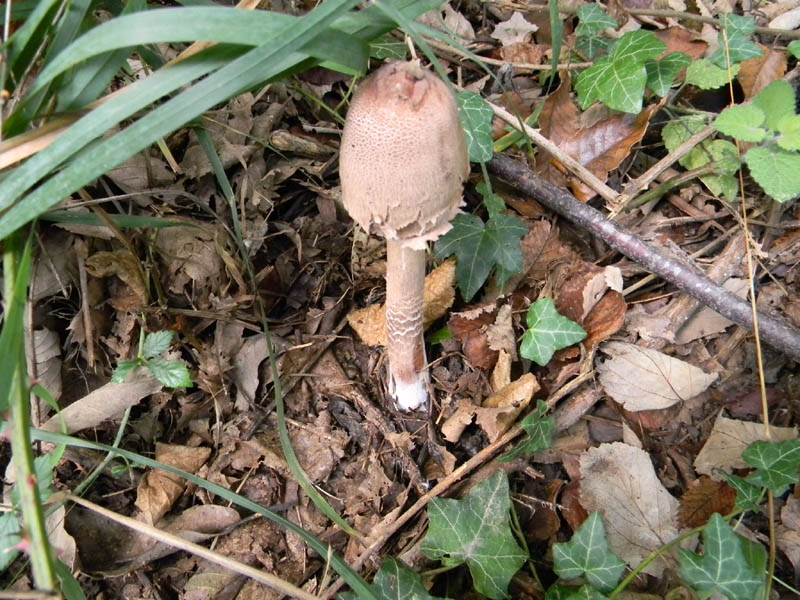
(403, 156)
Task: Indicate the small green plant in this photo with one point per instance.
(547, 332)
(769, 121)
(539, 429)
(171, 373)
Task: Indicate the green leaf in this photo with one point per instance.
(10, 529)
(476, 119)
(743, 122)
(638, 47)
(705, 75)
(776, 171)
(593, 19)
(547, 332)
(171, 373)
(617, 84)
(593, 45)
(722, 567)
(789, 128)
(740, 48)
(68, 584)
(661, 74)
(157, 343)
(539, 428)
(11, 336)
(122, 370)
(494, 204)
(678, 131)
(479, 247)
(388, 47)
(734, 24)
(565, 592)
(748, 495)
(395, 581)
(587, 555)
(776, 463)
(794, 48)
(777, 101)
(476, 531)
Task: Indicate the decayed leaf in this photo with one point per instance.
(679, 39)
(707, 321)
(191, 257)
(515, 30)
(158, 490)
(788, 531)
(584, 288)
(456, 423)
(644, 379)
(370, 323)
(703, 498)
(470, 328)
(106, 402)
(639, 513)
(757, 73)
(44, 361)
(500, 410)
(597, 140)
(124, 265)
(728, 440)
(521, 52)
(605, 319)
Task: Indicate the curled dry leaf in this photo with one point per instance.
(122, 264)
(470, 328)
(501, 410)
(597, 139)
(728, 439)
(639, 513)
(605, 319)
(438, 295)
(584, 288)
(757, 73)
(644, 379)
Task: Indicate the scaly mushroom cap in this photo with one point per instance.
(403, 155)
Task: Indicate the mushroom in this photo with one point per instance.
(402, 163)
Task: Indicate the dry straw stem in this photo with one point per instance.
(175, 541)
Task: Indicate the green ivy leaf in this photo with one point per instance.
(776, 101)
(723, 566)
(789, 128)
(565, 592)
(395, 581)
(494, 204)
(638, 47)
(794, 48)
(388, 47)
(156, 343)
(476, 118)
(171, 373)
(476, 531)
(547, 332)
(479, 247)
(776, 463)
(734, 24)
(617, 84)
(593, 19)
(122, 370)
(661, 74)
(776, 171)
(743, 122)
(703, 74)
(593, 45)
(587, 555)
(740, 48)
(539, 428)
(748, 495)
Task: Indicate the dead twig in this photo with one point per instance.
(774, 333)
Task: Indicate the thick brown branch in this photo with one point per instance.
(774, 333)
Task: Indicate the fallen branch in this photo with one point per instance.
(771, 331)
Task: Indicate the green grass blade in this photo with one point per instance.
(25, 41)
(353, 579)
(11, 336)
(122, 221)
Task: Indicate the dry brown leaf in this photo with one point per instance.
(470, 328)
(605, 319)
(500, 410)
(644, 379)
(598, 140)
(158, 490)
(501, 374)
(728, 439)
(191, 259)
(583, 289)
(787, 534)
(703, 498)
(679, 39)
(44, 362)
(521, 52)
(707, 321)
(106, 402)
(122, 264)
(456, 423)
(439, 293)
(757, 73)
(639, 513)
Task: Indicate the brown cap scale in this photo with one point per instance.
(402, 164)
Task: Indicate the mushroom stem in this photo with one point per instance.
(405, 276)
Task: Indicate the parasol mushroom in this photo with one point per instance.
(402, 164)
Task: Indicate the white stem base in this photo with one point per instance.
(409, 396)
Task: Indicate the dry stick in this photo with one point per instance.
(276, 583)
(774, 333)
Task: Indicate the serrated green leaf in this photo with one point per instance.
(547, 332)
(122, 370)
(661, 74)
(10, 530)
(587, 555)
(776, 101)
(479, 247)
(539, 428)
(722, 566)
(740, 48)
(617, 84)
(743, 122)
(776, 171)
(776, 463)
(748, 495)
(707, 76)
(476, 118)
(637, 46)
(593, 19)
(157, 343)
(678, 131)
(794, 48)
(171, 373)
(789, 128)
(476, 531)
